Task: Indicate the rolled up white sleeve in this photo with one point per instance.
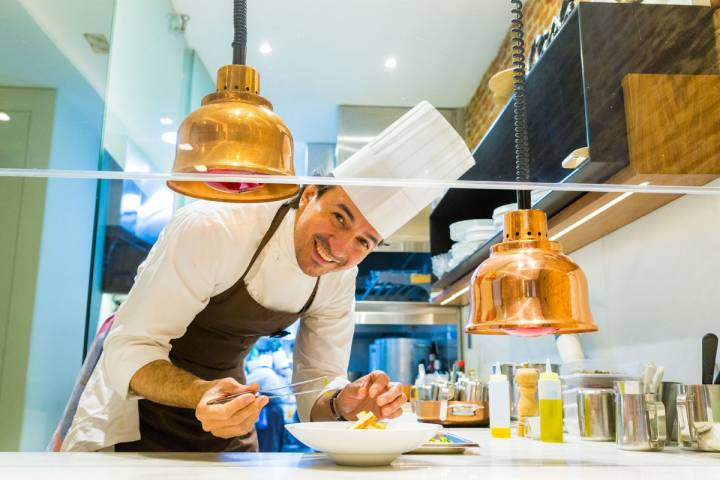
(323, 343)
(173, 285)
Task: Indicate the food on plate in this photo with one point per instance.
(367, 420)
(440, 439)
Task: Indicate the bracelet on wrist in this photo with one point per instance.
(333, 407)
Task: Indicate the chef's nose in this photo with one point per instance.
(340, 245)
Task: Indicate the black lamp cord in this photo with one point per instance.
(522, 150)
(239, 43)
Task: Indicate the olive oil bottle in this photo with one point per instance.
(551, 410)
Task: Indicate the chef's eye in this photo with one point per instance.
(365, 244)
(340, 219)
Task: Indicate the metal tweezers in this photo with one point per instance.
(221, 400)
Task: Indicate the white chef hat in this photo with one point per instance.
(420, 144)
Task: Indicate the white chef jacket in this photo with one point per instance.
(202, 252)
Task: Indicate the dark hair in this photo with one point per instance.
(321, 190)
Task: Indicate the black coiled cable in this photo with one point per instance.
(239, 43)
(522, 149)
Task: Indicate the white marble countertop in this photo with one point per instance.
(504, 459)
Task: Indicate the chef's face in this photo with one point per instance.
(330, 232)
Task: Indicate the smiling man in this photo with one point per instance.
(223, 275)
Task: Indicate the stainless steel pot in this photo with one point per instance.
(398, 357)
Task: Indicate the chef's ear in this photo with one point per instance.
(308, 193)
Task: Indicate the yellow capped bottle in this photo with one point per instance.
(499, 393)
(551, 411)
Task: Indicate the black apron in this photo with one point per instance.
(213, 347)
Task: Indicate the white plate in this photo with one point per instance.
(460, 230)
(457, 444)
(363, 447)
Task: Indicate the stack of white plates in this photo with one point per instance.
(469, 235)
(472, 230)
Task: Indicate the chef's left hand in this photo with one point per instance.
(373, 393)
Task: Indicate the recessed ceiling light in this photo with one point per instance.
(265, 48)
(390, 63)
(169, 137)
(166, 121)
(4, 117)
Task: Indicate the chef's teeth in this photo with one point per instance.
(322, 253)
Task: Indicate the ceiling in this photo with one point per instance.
(65, 21)
(329, 52)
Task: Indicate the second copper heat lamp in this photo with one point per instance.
(527, 286)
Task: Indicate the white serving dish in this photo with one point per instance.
(363, 447)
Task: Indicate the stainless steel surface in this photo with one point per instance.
(697, 406)
(640, 418)
(471, 390)
(596, 414)
(668, 395)
(399, 357)
(405, 313)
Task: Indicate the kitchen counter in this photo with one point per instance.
(515, 458)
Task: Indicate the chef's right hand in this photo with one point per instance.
(232, 419)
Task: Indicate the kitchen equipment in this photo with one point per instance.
(462, 250)
(709, 352)
(465, 230)
(272, 391)
(584, 374)
(668, 395)
(363, 447)
(510, 369)
(444, 442)
(463, 403)
(551, 411)
(398, 357)
(501, 84)
(499, 391)
(527, 380)
(697, 407)
(639, 419)
(440, 264)
(596, 414)
(208, 141)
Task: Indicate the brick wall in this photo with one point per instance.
(481, 111)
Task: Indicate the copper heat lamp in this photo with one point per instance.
(527, 286)
(235, 131)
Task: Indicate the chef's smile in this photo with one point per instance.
(323, 252)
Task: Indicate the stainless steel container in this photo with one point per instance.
(668, 395)
(399, 357)
(698, 409)
(471, 390)
(596, 414)
(639, 418)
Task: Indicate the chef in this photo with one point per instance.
(221, 276)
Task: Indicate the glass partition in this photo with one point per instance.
(623, 139)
